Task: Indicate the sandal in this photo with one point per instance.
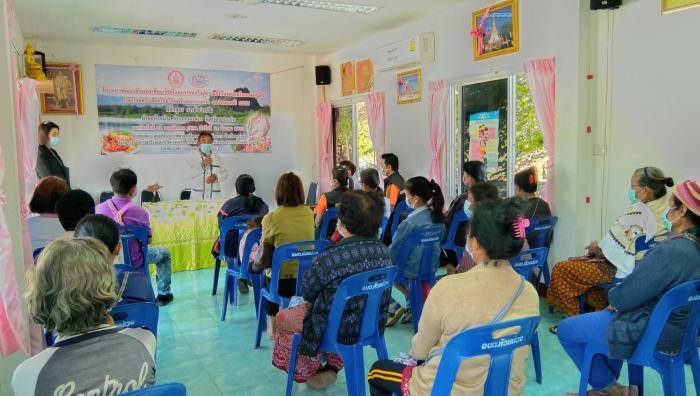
(553, 329)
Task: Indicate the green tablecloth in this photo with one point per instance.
(187, 229)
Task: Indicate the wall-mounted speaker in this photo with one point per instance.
(605, 4)
(323, 75)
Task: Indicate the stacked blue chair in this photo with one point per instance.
(540, 233)
(399, 211)
(670, 367)
(450, 242)
(479, 341)
(139, 234)
(330, 215)
(172, 389)
(225, 225)
(524, 263)
(136, 315)
(301, 252)
(427, 238)
(238, 269)
(372, 284)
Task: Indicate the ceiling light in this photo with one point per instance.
(143, 32)
(256, 40)
(325, 5)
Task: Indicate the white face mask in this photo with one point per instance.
(468, 250)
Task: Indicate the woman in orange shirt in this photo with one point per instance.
(339, 183)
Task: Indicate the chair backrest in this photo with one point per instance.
(171, 389)
(524, 262)
(683, 295)
(106, 195)
(641, 245)
(136, 315)
(330, 215)
(229, 224)
(399, 210)
(148, 196)
(136, 233)
(36, 253)
(369, 283)
(541, 231)
(185, 194)
(311, 195)
(253, 238)
(479, 341)
(459, 218)
(382, 226)
(301, 252)
(429, 238)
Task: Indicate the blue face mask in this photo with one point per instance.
(205, 148)
(409, 204)
(632, 196)
(468, 210)
(53, 141)
(664, 219)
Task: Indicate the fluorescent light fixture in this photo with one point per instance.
(325, 5)
(143, 32)
(256, 40)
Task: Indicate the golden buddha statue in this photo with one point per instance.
(34, 69)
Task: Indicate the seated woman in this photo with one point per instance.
(290, 222)
(369, 182)
(478, 193)
(526, 189)
(71, 292)
(350, 169)
(339, 184)
(425, 196)
(622, 325)
(45, 227)
(359, 251)
(135, 286)
(614, 257)
(474, 172)
(492, 240)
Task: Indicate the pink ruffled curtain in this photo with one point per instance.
(376, 118)
(324, 119)
(437, 121)
(541, 79)
(27, 140)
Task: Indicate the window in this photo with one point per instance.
(351, 138)
(494, 121)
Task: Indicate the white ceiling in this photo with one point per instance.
(323, 31)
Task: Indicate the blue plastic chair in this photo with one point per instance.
(301, 252)
(225, 225)
(669, 367)
(238, 269)
(139, 234)
(330, 215)
(540, 233)
(480, 341)
(137, 316)
(524, 263)
(36, 253)
(430, 239)
(172, 389)
(450, 242)
(399, 210)
(382, 227)
(372, 284)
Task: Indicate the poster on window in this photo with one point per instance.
(483, 139)
(162, 110)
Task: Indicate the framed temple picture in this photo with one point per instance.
(347, 78)
(668, 6)
(365, 76)
(408, 86)
(495, 30)
(68, 89)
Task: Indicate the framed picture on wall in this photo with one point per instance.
(365, 76)
(668, 6)
(68, 89)
(347, 78)
(495, 30)
(409, 86)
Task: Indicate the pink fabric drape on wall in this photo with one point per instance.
(376, 118)
(324, 119)
(541, 79)
(27, 140)
(437, 122)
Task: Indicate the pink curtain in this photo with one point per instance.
(27, 140)
(376, 118)
(541, 79)
(324, 119)
(437, 122)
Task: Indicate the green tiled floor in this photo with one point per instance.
(217, 358)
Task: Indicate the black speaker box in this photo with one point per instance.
(323, 75)
(605, 4)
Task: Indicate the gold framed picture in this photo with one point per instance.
(668, 6)
(347, 78)
(68, 89)
(495, 30)
(365, 76)
(409, 86)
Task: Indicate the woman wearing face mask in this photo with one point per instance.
(49, 163)
(204, 169)
(478, 193)
(621, 326)
(425, 196)
(614, 256)
(339, 185)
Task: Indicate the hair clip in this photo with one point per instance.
(519, 227)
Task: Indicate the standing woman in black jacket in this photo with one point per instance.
(49, 163)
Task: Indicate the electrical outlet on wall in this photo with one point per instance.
(600, 149)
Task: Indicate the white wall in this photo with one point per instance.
(293, 135)
(547, 28)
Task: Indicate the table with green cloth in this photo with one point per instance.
(187, 229)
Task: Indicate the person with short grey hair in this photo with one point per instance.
(70, 292)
